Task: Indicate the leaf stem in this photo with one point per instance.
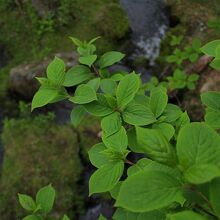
(95, 70)
(202, 196)
(129, 162)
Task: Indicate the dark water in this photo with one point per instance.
(148, 21)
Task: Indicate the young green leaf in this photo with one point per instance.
(136, 114)
(117, 141)
(185, 215)
(111, 124)
(212, 118)
(201, 173)
(100, 107)
(166, 128)
(77, 75)
(211, 99)
(27, 202)
(127, 89)
(145, 191)
(210, 48)
(110, 58)
(44, 96)
(83, 94)
(88, 60)
(101, 217)
(198, 144)
(77, 115)
(108, 86)
(32, 217)
(122, 214)
(96, 155)
(94, 83)
(154, 144)
(158, 100)
(76, 41)
(106, 177)
(45, 198)
(215, 64)
(65, 217)
(56, 71)
(214, 192)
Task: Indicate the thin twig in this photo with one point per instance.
(129, 162)
(95, 70)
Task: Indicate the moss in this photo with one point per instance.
(39, 152)
(112, 21)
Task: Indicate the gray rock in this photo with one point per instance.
(22, 78)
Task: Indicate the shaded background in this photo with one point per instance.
(42, 147)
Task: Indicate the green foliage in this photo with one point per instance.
(213, 49)
(214, 24)
(42, 206)
(178, 155)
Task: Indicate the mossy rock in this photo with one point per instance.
(112, 21)
(39, 152)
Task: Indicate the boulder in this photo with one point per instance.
(22, 78)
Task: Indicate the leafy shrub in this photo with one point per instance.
(112, 21)
(179, 175)
(39, 152)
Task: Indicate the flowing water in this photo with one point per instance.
(148, 21)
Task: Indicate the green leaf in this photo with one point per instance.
(27, 202)
(94, 83)
(182, 121)
(110, 58)
(145, 164)
(122, 214)
(158, 100)
(76, 41)
(185, 215)
(45, 198)
(167, 129)
(77, 115)
(43, 97)
(77, 75)
(101, 217)
(210, 48)
(145, 191)
(136, 114)
(108, 86)
(212, 118)
(115, 191)
(193, 77)
(153, 142)
(198, 144)
(214, 192)
(202, 173)
(88, 60)
(32, 217)
(65, 217)
(132, 141)
(111, 124)
(105, 178)
(100, 107)
(56, 71)
(117, 141)
(127, 89)
(211, 99)
(172, 113)
(83, 94)
(215, 64)
(96, 155)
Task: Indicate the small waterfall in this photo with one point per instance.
(149, 23)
